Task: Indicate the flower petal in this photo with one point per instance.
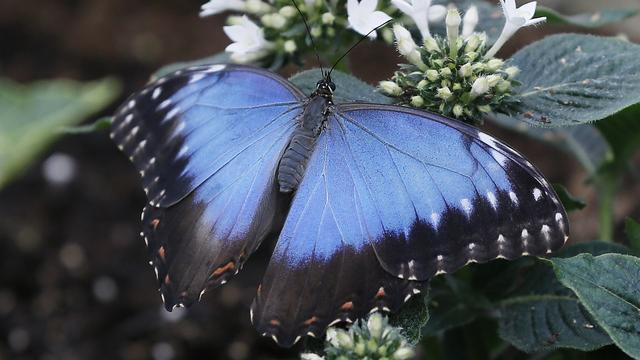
(527, 10)
(437, 13)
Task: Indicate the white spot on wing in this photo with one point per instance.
(435, 218)
(558, 217)
(164, 104)
(173, 112)
(195, 78)
(492, 199)
(546, 232)
(537, 194)
(156, 93)
(513, 197)
(215, 68)
(466, 206)
(499, 157)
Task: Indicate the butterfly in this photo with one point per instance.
(378, 198)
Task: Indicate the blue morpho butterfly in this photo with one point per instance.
(380, 198)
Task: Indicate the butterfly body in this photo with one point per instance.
(384, 197)
(314, 116)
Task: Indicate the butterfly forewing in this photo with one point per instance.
(207, 142)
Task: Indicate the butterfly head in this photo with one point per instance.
(325, 87)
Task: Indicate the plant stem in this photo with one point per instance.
(607, 190)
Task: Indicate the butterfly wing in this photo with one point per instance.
(392, 197)
(206, 142)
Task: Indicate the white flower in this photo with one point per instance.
(453, 27)
(390, 88)
(512, 71)
(469, 21)
(375, 325)
(406, 45)
(515, 19)
(248, 39)
(479, 87)
(421, 12)
(363, 17)
(217, 6)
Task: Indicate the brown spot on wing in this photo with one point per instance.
(222, 269)
(381, 292)
(310, 321)
(161, 253)
(347, 306)
(155, 223)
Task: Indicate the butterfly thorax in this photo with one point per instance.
(303, 140)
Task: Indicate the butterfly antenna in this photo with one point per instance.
(315, 49)
(356, 44)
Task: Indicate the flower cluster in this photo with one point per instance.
(456, 75)
(273, 32)
(375, 339)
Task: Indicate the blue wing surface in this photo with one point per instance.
(324, 268)
(392, 197)
(207, 141)
(438, 194)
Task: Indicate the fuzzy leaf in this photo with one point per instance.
(594, 20)
(574, 79)
(608, 287)
(584, 142)
(570, 202)
(632, 228)
(32, 116)
(539, 313)
(622, 131)
(348, 88)
(411, 318)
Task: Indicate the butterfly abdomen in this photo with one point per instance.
(294, 161)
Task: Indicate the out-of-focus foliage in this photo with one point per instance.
(33, 116)
(594, 20)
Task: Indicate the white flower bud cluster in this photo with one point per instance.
(373, 339)
(456, 75)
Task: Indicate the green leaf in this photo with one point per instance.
(453, 303)
(348, 88)
(584, 142)
(608, 287)
(539, 314)
(569, 201)
(632, 228)
(219, 58)
(594, 20)
(32, 116)
(101, 124)
(574, 79)
(622, 131)
(411, 318)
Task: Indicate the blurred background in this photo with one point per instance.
(74, 278)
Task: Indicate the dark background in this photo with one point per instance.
(74, 279)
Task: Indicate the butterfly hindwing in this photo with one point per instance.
(207, 142)
(390, 198)
(323, 268)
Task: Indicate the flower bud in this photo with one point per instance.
(479, 87)
(432, 75)
(375, 322)
(503, 86)
(453, 27)
(288, 11)
(344, 339)
(458, 110)
(311, 356)
(417, 101)
(290, 46)
(257, 7)
(470, 21)
(387, 35)
(484, 108)
(422, 84)
(472, 55)
(415, 58)
(360, 349)
(235, 20)
(493, 80)
(444, 93)
(390, 88)
(372, 345)
(328, 18)
(316, 31)
(465, 70)
(431, 45)
(403, 353)
(478, 67)
(494, 65)
(457, 86)
(472, 43)
(445, 72)
(512, 71)
(332, 336)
